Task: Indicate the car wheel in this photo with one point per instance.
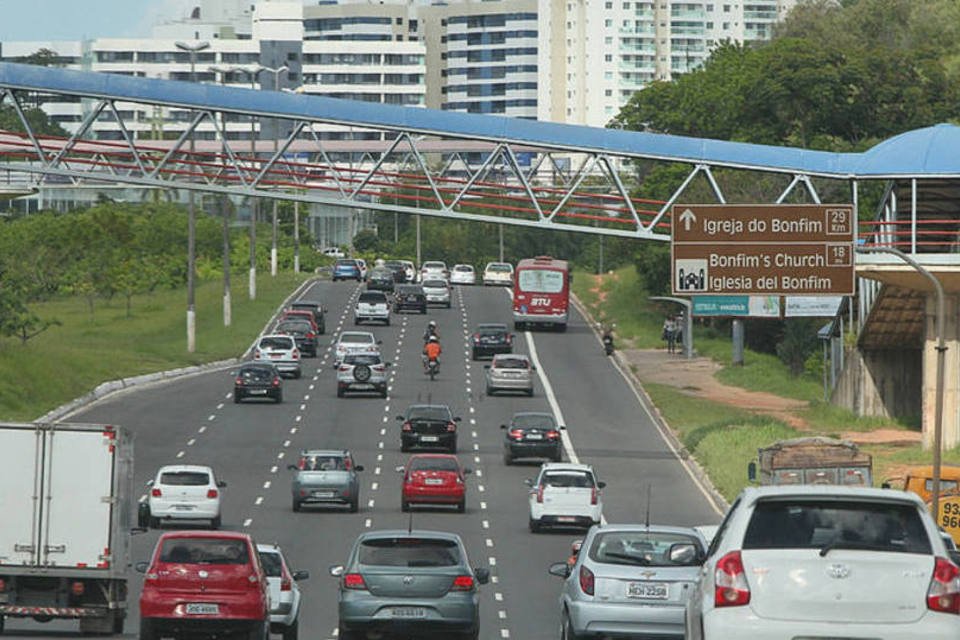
(462, 506)
(448, 305)
(148, 629)
(119, 618)
(340, 392)
(529, 393)
(558, 457)
(453, 446)
(290, 632)
(489, 390)
(386, 322)
(279, 397)
(474, 355)
(355, 504)
(534, 526)
(296, 506)
(154, 522)
(404, 447)
(383, 392)
(507, 459)
(404, 506)
(356, 321)
(298, 374)
(236, 398)
(215, 523)
(345, 634)
(566, 629)
(260, 630)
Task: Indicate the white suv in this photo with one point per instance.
(565, 495)
(372, 306)
(362, 372)
(184, 492)
(822, 561)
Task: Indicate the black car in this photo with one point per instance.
(380, 279)
(491, 339)
(258, 380)
(532, 435)
(397, 269)
(302, 333)
(430, 426)
(409, 297)
(317, 309)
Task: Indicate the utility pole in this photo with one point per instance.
(192, 216)
(273, 245)
(227, 206)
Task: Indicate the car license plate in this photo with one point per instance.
(566, 519)
(433, 481)
(323, 494)
(183, 507)
(429, 438)
(358, 385)
(534, 436)
(203, 608)
(647, 590)
(408, 612)
(258, 392)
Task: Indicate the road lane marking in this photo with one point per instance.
(293, 430)
(280, 456)
(273, 469)
(367, 523)
(286, 443)
(191, 441)
(486, 524)
(201, 429)
(220, 406)
(211, 417)
(258, 501)
(180, 454)
(266, 485)
(498, 596)
(248, 522)
(374, 486)
(551, 398)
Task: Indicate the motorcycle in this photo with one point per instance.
(607, 340)
(433, 368)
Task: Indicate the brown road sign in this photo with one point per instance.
(763, 249)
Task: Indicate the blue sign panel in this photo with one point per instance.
(721, 305)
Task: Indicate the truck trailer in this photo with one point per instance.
(66, 523)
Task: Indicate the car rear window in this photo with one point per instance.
(463, 268)
(204, 551)
(346, 263)
(272, 565)
(357, 338)
(435, 284)
(502, 268)
(185, 478)
(428, 413)
(511, 363)
(361, 358)
(256, 373)
(568, 479)
(818, 524)
(434, 265)
(533, 421)
(490, 330)
(324, 463)
(644, 548)
(433, 464)
(302, 327)
(277, 342)
(373, 297)
(409, 552)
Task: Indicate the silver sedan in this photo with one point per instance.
(630, 579)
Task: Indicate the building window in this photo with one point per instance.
(608, 58)
(399, 20)
(726, 8)
(608, 92)
(608, 5)
(292, 56)
(726, 26)
(608, 23)
(608, 40)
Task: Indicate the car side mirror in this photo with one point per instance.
(399, 468)
(884, 485)
(559, 569)
(503, 426)
(301, 575)
(221, 484)
(683, 553)
(467, 471)
(293, 467)
(141, 567)
(457, 419)
(601, 484)
(528, 482)
(562, 428)
(358, 467)
(752, 472)
(336, 570)
(379, 341)
(533, 368)
(388, 364)
(150, 483)
(138, 530)
(482, 574)
(486, 366)
(400, 418)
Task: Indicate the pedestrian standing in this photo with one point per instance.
(669, 333)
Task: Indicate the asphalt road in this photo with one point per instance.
(194, 420)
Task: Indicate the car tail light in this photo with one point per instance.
(286, 584)
(304, 493)
(378, 368)
(451, 426)
(586, 580)
(239, 381)
(944, 592)
(257, 354)
(156, 493)
(276, 381)
(3, 584)
(462, 583)
(212, 493)
(347, 464)
(730, 582)
(253, 578)
(476, 337)
(344, 368)
(593, 495)
(77, 588)
(311, 335)
(553, 434)
(354, 581)
(540, 493)
(296, 353)
(407, 426)
(516, 434)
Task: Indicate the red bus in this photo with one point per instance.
(541, 293)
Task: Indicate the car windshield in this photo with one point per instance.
(276, 342)
(511, 363)
(409, 552)
(323, 463)
(428, 413)
(372, 297)
(272, 564)
(204, 551)
(824, 525)
(357, 338)
(362, 358)
(646, 548)
(568, 479)
(433, 464)
(541, 281)
(185, 478)
(533, 421)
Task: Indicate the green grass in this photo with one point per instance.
(107, 345)
(625, 303)
(829, 419)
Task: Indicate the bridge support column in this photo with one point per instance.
(951, 383)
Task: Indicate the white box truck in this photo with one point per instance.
(65, 523)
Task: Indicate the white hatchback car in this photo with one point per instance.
(433, 269)
(281, 351)
(498, 273)
(463, 274)
(372, 306)
(565, 494)
(437, 291)
(184, 492)
(283, 589)
(826, 561)
(355, 342)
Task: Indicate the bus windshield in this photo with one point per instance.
(540, 281)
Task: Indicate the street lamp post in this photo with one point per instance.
(273, 245)
(227, 298)
(191, 216)
(252, 72)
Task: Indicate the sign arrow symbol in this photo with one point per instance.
(688, 217)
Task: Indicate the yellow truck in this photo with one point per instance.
(919, 480)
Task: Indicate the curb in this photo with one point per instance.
(683, 455)
(112, 387)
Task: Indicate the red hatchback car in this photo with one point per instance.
(204, 583)
(433, 478)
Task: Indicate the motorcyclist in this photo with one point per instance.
(431, 331)
(431, 351)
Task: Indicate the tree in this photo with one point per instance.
(16, 319)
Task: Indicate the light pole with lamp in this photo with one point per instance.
(227, 299)
(252, 72)
(276, 130)
(191, 215)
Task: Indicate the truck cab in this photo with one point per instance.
(919, 480)
(815, 460)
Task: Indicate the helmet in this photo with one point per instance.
(432, 324)
(434, 339)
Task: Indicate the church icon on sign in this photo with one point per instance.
(690, 276)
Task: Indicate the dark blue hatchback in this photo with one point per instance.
(346, 269)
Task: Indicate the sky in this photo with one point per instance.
(29, 20)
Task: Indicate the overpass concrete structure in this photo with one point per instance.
(494, 169)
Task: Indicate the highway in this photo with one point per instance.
(194, 420)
